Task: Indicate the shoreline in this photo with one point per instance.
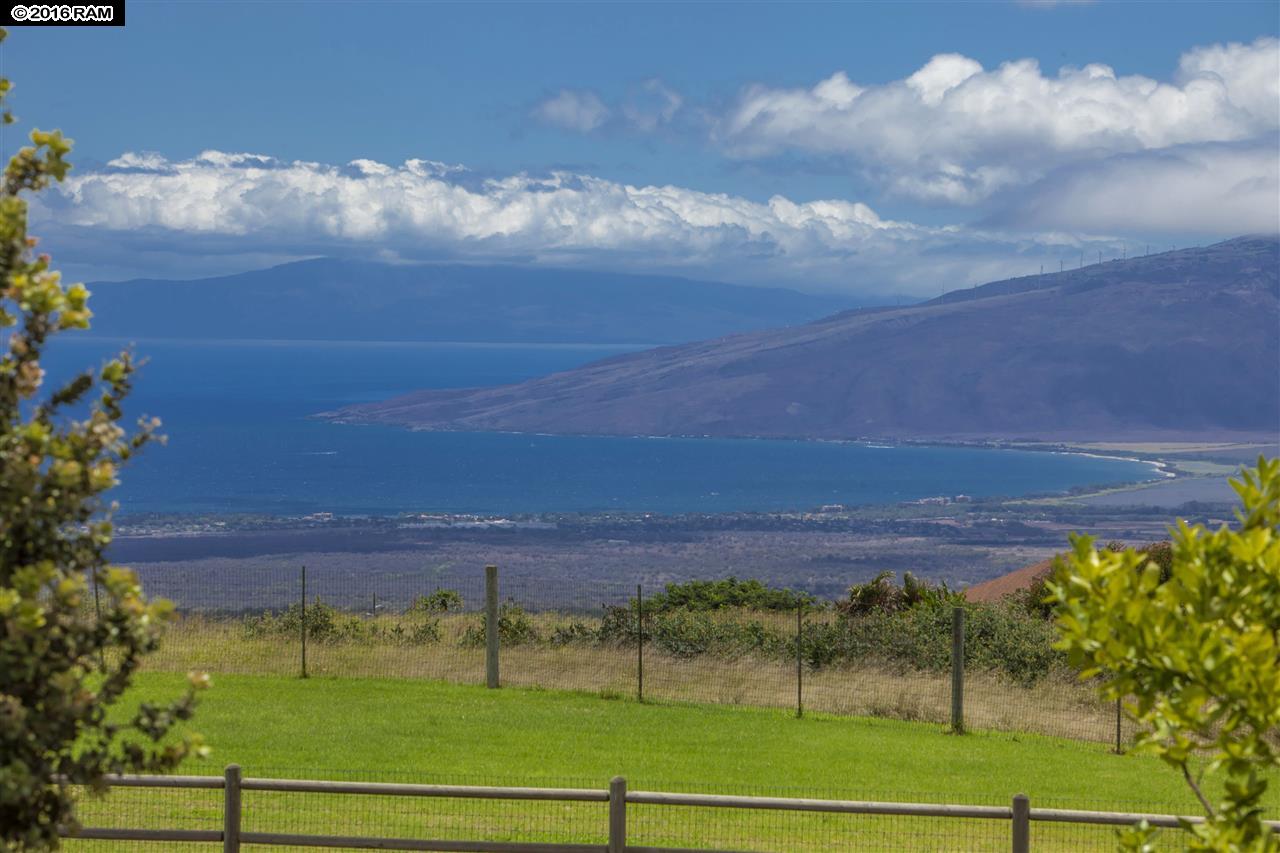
(218, 522)
(1163, 470)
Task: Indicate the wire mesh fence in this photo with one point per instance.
(500, 810)
(149, 808)
(618, 640)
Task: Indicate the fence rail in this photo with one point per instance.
(612, 830)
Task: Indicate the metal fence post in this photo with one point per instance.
(799, 662)
(617, 815)
(639, 643)
(1021, 824)
(304, 621)
(491, 626)
(231, 809)
(1119, 733)
(957, 670)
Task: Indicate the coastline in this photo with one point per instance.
(1163, 469)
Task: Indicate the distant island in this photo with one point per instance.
(1181, 345)
(343, 300)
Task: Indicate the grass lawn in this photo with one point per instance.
(444, 730)
(399, 730)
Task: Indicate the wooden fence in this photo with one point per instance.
(1018, 813)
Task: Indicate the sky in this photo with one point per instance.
(862, 148)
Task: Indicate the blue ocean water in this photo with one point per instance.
(241, 440)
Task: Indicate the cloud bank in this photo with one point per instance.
(1049, 165)
(956, 133)
(426, 209)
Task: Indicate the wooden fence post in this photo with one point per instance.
(617, 815)
(491, 626)
(304, 621)
(639, 643)
(231, 809)
(957, 670)
(799, 662)
(1021, 824)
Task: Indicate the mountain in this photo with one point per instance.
(1179, 344)
(328, 299)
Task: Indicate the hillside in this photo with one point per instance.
(327, 299)
(1013, 582)
(1181, 344)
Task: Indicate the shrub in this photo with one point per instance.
(998, 638)
(726, 593)
(440, 601)
(688, 633)
(1198, 649)
(574, 633)
(64, 669)
(514, 628)
(1038, 599)
(327, 624)
(881, 595)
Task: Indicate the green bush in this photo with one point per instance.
(880, 595)
(726, 593)
(574, 633)
(998, 638)
(1038, 599)
(440, 601)
(909, 628)
(686, 634)
(327, 624)
(514, 628)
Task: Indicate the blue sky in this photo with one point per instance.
(608, 95)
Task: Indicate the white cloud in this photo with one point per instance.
(1222, 189)
(956, 132)
(646, 108)
(243, 204)
(575, 110)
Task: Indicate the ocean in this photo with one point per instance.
(241, 439)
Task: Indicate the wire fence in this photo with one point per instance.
(615, 640)
(398, 811)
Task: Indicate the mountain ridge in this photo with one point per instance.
(328, 299)
(1179, 344)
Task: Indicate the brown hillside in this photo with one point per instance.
(1178, 344)
(998, 588)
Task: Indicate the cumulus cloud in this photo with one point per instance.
(956, 132)
(222, 203)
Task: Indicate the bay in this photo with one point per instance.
(241, 439)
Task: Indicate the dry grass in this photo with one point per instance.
(1054, 707)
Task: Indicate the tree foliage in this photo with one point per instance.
(1198, 647)
(62, 666)
(726, 593)
(882, 595)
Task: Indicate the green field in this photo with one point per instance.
(401, 730)
(445, 730)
